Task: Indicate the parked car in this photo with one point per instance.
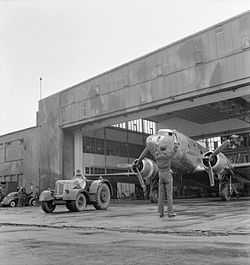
(12, 200)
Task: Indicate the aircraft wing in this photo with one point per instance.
(125, 177)
(243, 169)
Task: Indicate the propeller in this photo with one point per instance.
(210, 158)
(139, 176)
(210, 173)
(137, 166)
(233, 141)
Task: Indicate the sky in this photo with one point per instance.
(67, 42)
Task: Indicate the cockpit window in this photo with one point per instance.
(170, 133)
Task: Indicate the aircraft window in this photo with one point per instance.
(170, 134)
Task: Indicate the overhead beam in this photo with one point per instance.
(165, 107)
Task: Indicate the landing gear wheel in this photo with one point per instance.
(154, 196)
(102, 197)
(80, 203)
(12, 204)
(48, 206)
(225, 193)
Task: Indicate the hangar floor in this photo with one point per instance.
(204, 232)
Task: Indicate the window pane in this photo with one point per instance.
(99, 146)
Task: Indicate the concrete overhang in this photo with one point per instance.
(199, 110)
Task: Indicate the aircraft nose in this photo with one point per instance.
(166, 141)
(166, 145)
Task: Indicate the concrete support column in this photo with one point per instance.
(78, 151)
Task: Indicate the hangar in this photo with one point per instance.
(199, 85)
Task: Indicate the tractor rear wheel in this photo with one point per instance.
(48, 206)
(102, 197)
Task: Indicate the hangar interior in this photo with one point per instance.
(199, 86)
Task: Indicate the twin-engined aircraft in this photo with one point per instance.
(190, 159)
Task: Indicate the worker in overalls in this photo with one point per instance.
(80, 179)
(163, 146)
(21, 197)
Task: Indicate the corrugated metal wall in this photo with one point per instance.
(215, 56)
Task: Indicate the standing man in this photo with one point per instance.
(163, 146)
(21, 197)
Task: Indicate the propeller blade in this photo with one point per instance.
(141, 180)
(221, 147)
(210, 174)
(142, 155)
(233, 141)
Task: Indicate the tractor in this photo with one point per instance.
(76, 194)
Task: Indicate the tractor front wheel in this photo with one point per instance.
(79, 204)
(48, 206)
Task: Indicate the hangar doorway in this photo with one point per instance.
(100, 147)
(10, 183)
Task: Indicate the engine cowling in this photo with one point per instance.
(218, 162)
(147, 168)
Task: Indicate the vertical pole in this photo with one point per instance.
(40, 87)
(39, 180)
(142, 132)
(78, 151)
(105, 151)
(39, 169)
(127, 146)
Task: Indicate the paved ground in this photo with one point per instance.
(204, 232)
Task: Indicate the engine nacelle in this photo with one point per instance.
(218, 162)
(147, 168)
